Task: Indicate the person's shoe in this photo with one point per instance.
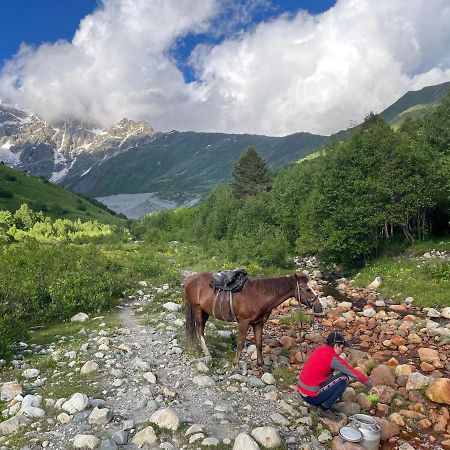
(329, 414)
(313, 409)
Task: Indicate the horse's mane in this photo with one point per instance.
(276, 285)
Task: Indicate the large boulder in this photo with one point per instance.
(269, 437)
(86, 441)
(428, 355)
(78, 402)
(80, 317)
(388, 429)
(245, 442)
(145, 436)
(417, 381)
(10, 390)
(384, 375)
(166, 418)
(11, 425)
(439, 391)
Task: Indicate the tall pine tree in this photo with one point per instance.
(251, 175)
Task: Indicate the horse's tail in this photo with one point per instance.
(191, 328)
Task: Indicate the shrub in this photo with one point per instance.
(41, 282)
(6, 194)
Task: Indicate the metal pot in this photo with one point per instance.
(369, 429)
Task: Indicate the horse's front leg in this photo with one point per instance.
(258, 331)
(243, 327)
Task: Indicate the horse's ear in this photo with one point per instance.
(301, 277)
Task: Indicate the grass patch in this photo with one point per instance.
(428, 282)
(285, 377)
(295, 318)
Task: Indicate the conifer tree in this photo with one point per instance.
(251, 175)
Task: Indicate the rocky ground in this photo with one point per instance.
(131, 384)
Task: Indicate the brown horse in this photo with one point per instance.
(251, 306)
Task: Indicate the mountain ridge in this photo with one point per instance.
(130, 157)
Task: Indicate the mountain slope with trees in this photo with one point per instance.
(377, 186)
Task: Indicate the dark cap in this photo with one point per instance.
(336, 338)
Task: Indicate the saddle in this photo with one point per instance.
(229, 280)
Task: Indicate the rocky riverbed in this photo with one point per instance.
(131, 383)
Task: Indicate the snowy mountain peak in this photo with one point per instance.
(52, 150)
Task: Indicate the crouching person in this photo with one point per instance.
(315, 383)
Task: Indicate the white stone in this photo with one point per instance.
(203, 380)
(369, 312)
(210, 442)
(80, 317)
(86, 441)
(100, 416)
(433, 313)
(31, 373)
(226, 334)
(30, 406)
(63, 418)
(245, 442)
(89, 367)
(409, 300)
(78, 402)
(195, 428)
(150, 377)
(196, 437)
(416, 381)
(279, 419)
(11, 425)
(145, 436)
(171, 306)
(166, 418)
(345, 305)
(268, 378)
(325, 436)
(445, 312)
(268, 437)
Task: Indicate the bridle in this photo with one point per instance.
(302, 295)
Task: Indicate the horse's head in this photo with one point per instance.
(305, 294)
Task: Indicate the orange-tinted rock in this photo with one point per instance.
(439, 391)
(288, 342)
(398, 340)
(388, 429)
(424, 423)
(428, 355)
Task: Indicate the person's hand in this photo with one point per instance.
(375, 390)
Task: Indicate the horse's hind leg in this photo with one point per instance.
(200, 318)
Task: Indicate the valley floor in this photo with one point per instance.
(137, 386)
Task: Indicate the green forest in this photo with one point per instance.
(378, 188)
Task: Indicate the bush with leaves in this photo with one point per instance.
(43, 282)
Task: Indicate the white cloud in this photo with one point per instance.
(294, 73)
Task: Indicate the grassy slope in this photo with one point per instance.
(426, 98)
(407, 275)
(54, 200)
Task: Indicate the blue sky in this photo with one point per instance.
(243, 66)
(35, 22)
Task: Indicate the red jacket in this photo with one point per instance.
(322, 361)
